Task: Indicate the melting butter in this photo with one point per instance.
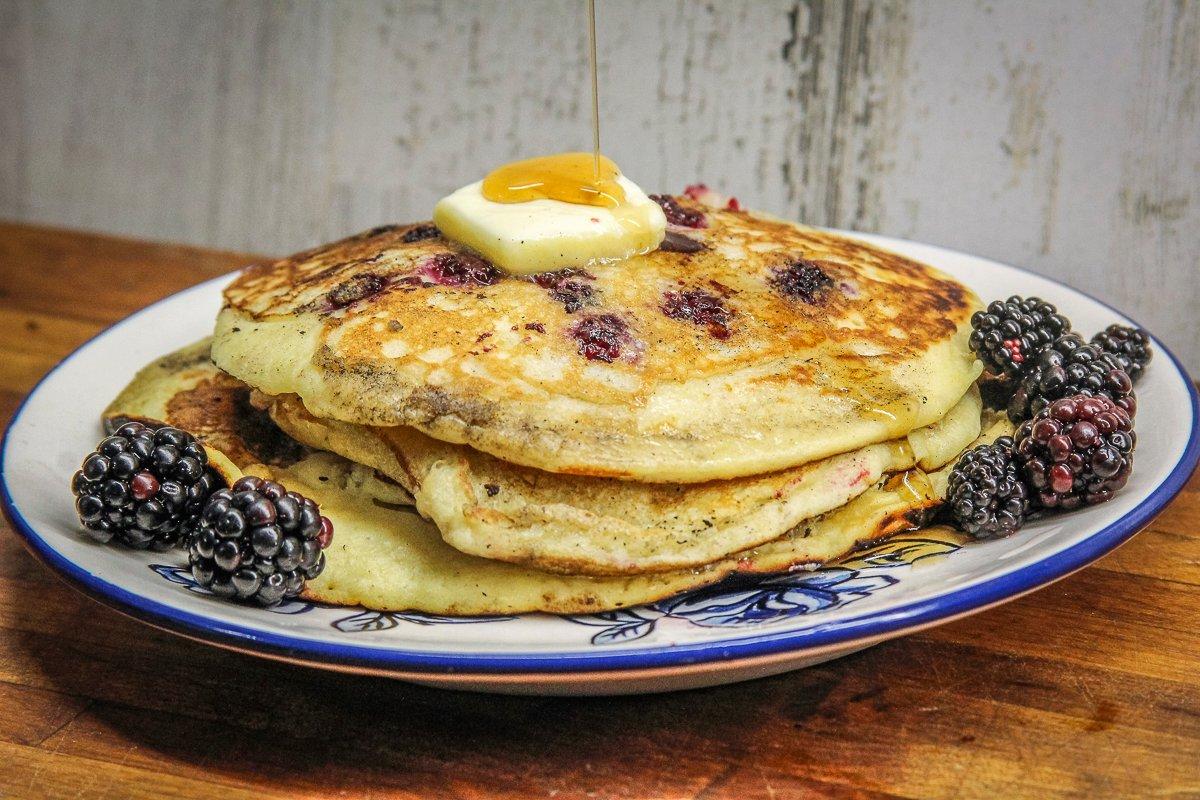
(544, 214)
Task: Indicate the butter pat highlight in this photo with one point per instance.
(527, 236)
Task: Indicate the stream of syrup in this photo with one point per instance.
(581, 178)
(595, 87)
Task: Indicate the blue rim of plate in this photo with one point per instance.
(875, 625)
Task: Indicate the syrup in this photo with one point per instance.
(587, 179)
(582, 178)
(595, 87)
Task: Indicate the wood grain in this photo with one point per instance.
(1062, 136)
(1088, 688)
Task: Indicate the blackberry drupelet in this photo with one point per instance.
(1076, 451)
(144, 487)
(256, 540)
(1011, 333)
(985, 494)
(1068, 367)
(1129, 347)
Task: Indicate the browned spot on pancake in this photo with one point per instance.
(418, 233)
(430, 403)
(218, 412)
(594, 472)
(893, 524)
(354, 289)
(678, 243)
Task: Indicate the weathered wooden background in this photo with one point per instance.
(1061, 135)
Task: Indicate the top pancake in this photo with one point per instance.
(807, 344)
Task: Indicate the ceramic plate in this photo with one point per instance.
(712, 636)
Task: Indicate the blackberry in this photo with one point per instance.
(1129, 347)
(1076, 451)
(256, 540)
(1011, 333)
(143, 486)
(1068, 367)
(985, 494)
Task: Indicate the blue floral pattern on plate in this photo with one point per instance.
(364, 621)
(367, 621)
(773, 599)
(730, 604)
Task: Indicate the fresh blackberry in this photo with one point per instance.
(1076, 451)
(1068, 367)
(985, 494)
(143, 486)
(1129, 347)
(1010, 333)
(256, 540)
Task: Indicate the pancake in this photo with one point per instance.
(767, 345)
(185, 390)
(601, 526)
(388, 558)
(385, 557)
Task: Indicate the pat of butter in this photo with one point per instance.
(544, 235)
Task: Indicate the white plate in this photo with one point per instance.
(712, 636)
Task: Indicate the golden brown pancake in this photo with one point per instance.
(384, 556)
(602, 526)
(767, 346)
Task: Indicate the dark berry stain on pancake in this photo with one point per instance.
(351, 291)
(573, 295)
(569, 287)
(677, 214)
(678, 243)
(803, 280)
(458, 269)
(600, 337)
(420, 233)
(699, 308)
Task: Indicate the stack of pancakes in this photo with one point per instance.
(753, 397)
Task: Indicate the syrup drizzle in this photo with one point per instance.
(568, 177)
(564, 176)
(595, 88)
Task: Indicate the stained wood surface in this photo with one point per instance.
(1062, 136)
(1089, 688)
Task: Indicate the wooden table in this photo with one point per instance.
(1089, 688)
